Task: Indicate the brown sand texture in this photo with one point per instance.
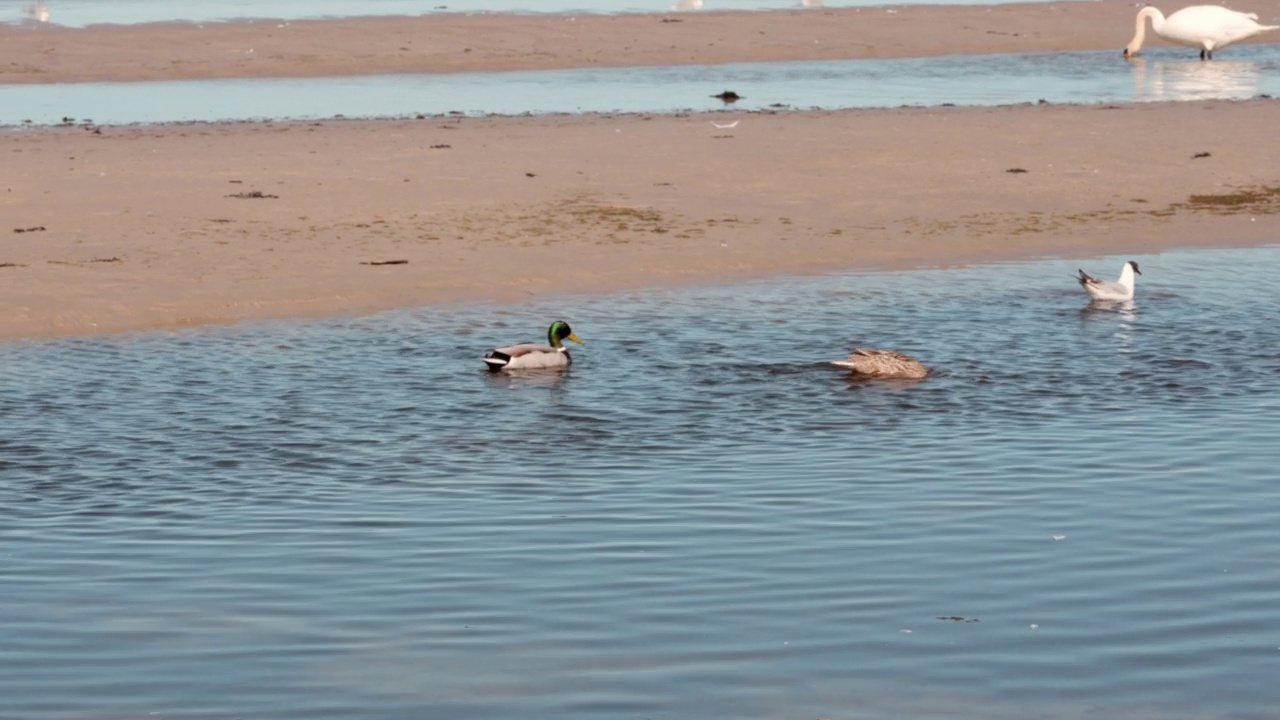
(142, 227)
(459, 42)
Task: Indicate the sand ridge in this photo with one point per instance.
(176, 225)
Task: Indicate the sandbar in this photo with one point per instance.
(125, 228)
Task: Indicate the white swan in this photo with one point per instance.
(1106, 291)
(1207, 27)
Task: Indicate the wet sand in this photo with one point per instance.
(130, 228)
(460, 42)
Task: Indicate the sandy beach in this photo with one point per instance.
(124, 228)
(457, 42)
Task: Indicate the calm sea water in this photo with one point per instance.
(352, 519)
(1081, 77)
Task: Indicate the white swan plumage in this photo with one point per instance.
(1107, 291)
(1204, 27)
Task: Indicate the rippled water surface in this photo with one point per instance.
(1081, 77)
(701, 518)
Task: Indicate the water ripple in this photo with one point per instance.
(351, 518)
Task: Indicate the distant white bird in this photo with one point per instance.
(725, 126)
(883, 364)
(1122, 289)
(1205, 27)
(39, 11)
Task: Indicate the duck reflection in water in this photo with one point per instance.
(527, 379)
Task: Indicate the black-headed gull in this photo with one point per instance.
(1121, 289)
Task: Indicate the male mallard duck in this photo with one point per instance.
(1122, 289)
(884, 364)
(531, 356)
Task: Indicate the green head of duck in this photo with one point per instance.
(560, 331)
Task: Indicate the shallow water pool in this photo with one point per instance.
(1073, 517)
(1082, 77)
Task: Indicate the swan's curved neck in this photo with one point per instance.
(1157, 17)
(1140, 27)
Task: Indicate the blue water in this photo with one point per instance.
(1081, 77)
(351, 519)
(79, 13)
